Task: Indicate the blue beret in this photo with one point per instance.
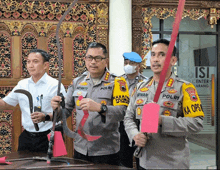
(133, 56)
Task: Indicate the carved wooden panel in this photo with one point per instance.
(25, 25)
(143, 11)
(5, 54)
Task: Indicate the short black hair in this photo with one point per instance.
(97, 45)
(166, 42)
(43, 53)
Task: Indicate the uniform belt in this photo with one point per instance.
(37, 134)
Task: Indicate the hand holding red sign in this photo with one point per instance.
(150, 116)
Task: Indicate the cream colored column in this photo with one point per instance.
(120, 33)
(16, 57)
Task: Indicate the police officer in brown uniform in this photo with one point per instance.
(180, 115)
(105, 97)
(132, 67)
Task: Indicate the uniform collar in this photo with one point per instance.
(167, 84)
(105, 77)
(136, 78)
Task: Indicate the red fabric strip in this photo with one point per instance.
(81, 125)
(170, 48)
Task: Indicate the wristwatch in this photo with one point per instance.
(103, 109)
(47, 117)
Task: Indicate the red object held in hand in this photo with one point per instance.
(81, 125)
(150, 118)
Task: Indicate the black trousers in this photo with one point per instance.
(33, 142)
(126, 152)
(107, 159)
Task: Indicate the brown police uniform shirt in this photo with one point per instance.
(182, 114)
(102, 92)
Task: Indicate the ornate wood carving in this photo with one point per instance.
(210, 4)
(144, 10)
(87, 22)
(136, 28)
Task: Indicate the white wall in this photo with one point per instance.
(120, 33)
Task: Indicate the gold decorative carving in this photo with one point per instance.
(15, 26)
(33, 6)
(68, 28)
(102, 13)
(42, 28)
(212, 17)
(136, 11)
(102, 28)
(163, 13)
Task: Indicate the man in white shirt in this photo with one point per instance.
(42, 88)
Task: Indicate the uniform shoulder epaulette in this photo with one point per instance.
(181, 80)
(143, 83)
(144, 77)
(82, 76)
(114, 75)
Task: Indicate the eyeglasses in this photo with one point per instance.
(96, 58)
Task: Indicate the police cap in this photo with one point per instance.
(132, 56)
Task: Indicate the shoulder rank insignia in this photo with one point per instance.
(107, 75)
(170, 82)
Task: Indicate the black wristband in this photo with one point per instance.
(104, 109)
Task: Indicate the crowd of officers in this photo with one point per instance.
(114, 104)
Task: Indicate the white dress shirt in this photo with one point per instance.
(46, 86)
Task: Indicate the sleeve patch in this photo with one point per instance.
(192, 106)
(120, 92)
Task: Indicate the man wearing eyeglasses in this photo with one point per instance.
(105, 97)
(132, 68)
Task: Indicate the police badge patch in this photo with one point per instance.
(192, 93)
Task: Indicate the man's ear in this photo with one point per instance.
(173, 60)
(46, 65)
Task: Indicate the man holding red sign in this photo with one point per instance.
(180, 115)
(100, 99)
